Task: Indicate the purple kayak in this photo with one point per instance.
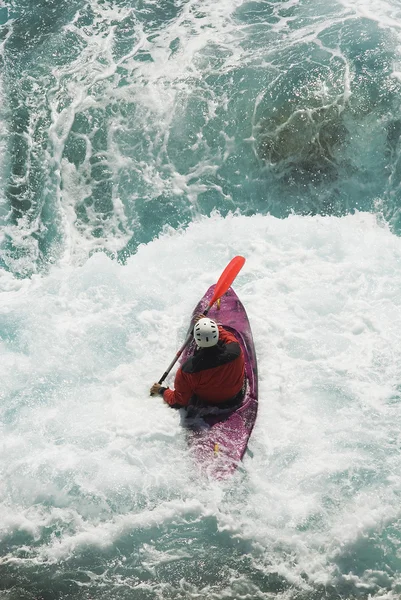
(218, 439)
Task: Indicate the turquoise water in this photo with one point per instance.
(141, 147)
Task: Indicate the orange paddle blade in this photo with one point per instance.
(227, 277)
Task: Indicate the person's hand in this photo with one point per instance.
(198, 317)
(154, 390)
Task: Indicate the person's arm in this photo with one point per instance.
(182, 393)
(226, 336)
(182, 390)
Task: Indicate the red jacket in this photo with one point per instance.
(214, 375)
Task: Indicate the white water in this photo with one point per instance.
(3, 138)
(86, 454)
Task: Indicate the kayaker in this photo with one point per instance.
(214, 375)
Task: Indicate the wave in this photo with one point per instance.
(98, 493)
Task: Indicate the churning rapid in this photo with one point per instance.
(142, 147)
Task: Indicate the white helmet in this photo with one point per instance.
(206, 333)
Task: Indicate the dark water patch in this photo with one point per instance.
(34, 22)
(305, 144)
(151, 217)
(184, 555)
(374, 555)
(393, 133)
(332, 128)
(257, 12)
(177, 560)
(114, 579)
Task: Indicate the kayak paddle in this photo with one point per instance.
(225, 280)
